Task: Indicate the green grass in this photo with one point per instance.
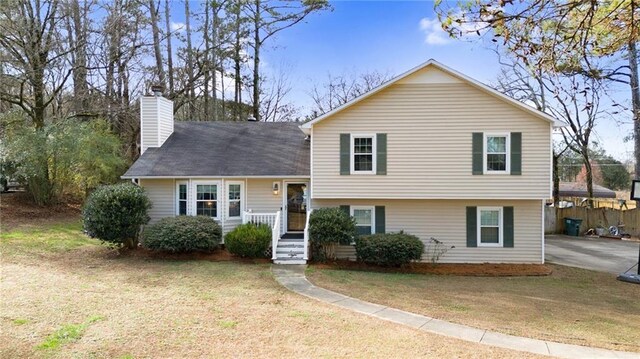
(68, 333)
(572, 305)
(20, 321)
(229, 324)
(52, 239)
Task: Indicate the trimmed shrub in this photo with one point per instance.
(249, 240)
(183, 234)
(328, 227)
(115, 213)
(389, 249)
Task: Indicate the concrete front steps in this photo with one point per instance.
(290, 249)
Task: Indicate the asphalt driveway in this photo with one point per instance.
(604, 255)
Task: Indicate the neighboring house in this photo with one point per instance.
(431, 152)
(577, 189)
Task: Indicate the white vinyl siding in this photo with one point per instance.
(429, 145)
(156, 121)
(161, 193)
(445, 220)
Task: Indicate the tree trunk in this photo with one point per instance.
(214, 62)
(80, 88)
(635, 104)
(191, 85)
(155, 29)
(589, 175)
(237, 66)
(256, 62)
(207, 63)
(167, 16)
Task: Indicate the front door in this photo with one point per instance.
(296, 207)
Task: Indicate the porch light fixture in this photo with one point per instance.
(276, 188)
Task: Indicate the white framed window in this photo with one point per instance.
(234, 199)
(497, 153)
(363, 154)
(490, 227)
(206, 199)
(181, 198)
(365, 219)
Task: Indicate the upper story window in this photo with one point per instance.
(496, 153)
(490, 228)
(365, 219)
(363, 150)
(181, 198)
(234, 192)
(207, 200)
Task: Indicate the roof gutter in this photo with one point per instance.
(213, 176)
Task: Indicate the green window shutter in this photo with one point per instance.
(346, 210)
(381, 154)
(507, 218)
(472, 227)
(516, 153)
(380, 219)
(345, 153)
(477, 153)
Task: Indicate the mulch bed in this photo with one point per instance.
(219, 255)
(477, 270)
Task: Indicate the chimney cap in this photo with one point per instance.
(157, 89)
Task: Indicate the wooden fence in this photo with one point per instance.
(592, 218)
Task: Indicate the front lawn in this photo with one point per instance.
(64, 295)
(572, 305)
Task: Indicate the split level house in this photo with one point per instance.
(431, 152)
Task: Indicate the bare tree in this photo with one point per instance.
(34, 73)
(167, 18)
(338, 90)
(154, 10)
(78, 36)
(189, 66)
(269, 17)
(274, 106)
(573, 98)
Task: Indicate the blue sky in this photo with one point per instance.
(386, 36)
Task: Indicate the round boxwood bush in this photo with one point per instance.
(389, 249)
(183, 234)
(115, 213)
(249, 240)
(328, 227)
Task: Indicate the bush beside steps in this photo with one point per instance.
(183, 234)
(249, 240)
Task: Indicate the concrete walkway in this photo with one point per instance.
(293, 278)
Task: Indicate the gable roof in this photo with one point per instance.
(227, 149)
(435, 64)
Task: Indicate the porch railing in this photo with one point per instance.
(270, 219)
(306, 235)
(266, 218)
(275, 236)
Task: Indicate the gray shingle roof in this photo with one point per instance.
(227, 149)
